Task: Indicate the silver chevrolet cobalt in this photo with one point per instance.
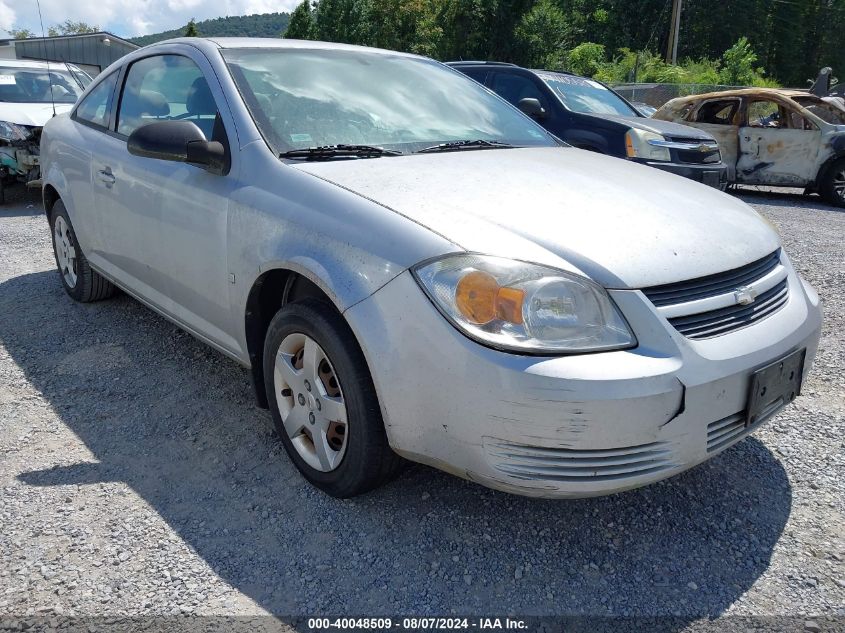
(411, 267)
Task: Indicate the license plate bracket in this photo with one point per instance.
(774, 386)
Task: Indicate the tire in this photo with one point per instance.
(80, 281)
(832, 186)
(356, 458)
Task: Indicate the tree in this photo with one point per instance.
(738, 65)
(21, 34)
(191, 29)
(586, 59)
(69, 27)
(542, 34)
(302, 25)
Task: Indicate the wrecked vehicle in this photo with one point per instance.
(412, 267)
(31, 92)
(787, 138)
(590, 115)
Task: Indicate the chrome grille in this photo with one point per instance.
(574, 465)
(719, 283)
(717, 322)
(708, 306)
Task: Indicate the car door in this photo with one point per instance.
(721, 118)
(777, 145)
(170, 219)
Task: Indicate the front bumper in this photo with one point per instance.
(711, 174)
(570, 426)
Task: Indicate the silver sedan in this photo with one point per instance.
(411, 267)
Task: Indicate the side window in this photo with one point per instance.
(95, 107)
(479, 74)
(515, 88)
(765, 114)
(166, 88)
(717, 112)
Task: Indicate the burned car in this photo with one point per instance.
(788, 138)
(31, 93)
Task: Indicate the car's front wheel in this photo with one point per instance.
(80, 281)
(832, 186)
(323, 401)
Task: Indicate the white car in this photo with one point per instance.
(31, 93)
(410, 266)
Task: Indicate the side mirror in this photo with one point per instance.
(179, 141)
(532, 108)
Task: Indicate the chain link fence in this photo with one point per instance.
(657, 94)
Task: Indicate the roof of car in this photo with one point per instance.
(274, 42)
(27, 63)
(747, 92)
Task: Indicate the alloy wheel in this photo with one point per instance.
(839, 184)
(65, 249)
(311, 402)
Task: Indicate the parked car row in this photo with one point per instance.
(590, 115)
(412, 268)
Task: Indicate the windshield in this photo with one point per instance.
(32, 85)
(827, 112)
(583, 95)
(304, 98)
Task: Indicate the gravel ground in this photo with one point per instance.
(138, 479)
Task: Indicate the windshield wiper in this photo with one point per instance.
(459, 145)
(339, 151)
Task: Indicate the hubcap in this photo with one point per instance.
(65, 251)
(310, 402)
(839, 184)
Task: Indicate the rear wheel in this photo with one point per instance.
(832, 186)
(323, 401)
(80, 281)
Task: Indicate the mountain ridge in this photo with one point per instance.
(255, 25)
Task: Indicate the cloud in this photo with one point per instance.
(7, 15)
(128, 18)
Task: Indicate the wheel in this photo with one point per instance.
(81, 282)
(832, 186)
(323, 401)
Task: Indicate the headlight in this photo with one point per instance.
(524, 307)
(638, 145)
(14, 132)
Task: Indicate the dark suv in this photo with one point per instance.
(588, 114)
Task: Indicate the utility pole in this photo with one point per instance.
(674, 31)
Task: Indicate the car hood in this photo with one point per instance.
(623, 224)
(31, 114)
(666, 128)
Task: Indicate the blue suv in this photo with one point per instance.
(590, 115)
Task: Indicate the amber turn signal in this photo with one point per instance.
(480, 299)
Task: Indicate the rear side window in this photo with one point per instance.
(718, 112)
(165, 88)
(479, 74)
(95, 107)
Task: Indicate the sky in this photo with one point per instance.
(127, 18)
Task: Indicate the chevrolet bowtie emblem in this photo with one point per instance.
(745, 296)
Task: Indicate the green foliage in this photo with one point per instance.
(69, 27)
(21, 34)
(738, 65)
(721, 42)
(302, 25)
(259, 25)
(191, 30)
(541, 35)
(586, 59)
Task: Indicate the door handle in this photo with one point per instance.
(107, 177)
